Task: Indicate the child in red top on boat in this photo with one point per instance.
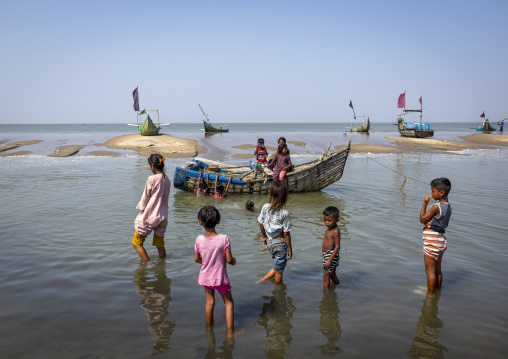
(281, 163)
(220, 192)
(260, 152)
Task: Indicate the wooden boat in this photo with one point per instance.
(146, 127)
(486, 127)
(364, 127)
(306, 177)
(412, 129)
(209, 128)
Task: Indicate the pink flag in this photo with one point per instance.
(483, 115)
(421, 100)
(401, 103)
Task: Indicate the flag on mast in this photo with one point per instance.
(483, 115)
(351, 104)
(401, 103)
(136, 99)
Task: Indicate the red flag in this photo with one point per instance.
(421, 100)
(483, 115)
(401, 103)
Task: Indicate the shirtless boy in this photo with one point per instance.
(331, 245)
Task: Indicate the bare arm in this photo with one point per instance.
(229, 257)
(336, 240)
(287, 237)
(197, 258)
(227, 187)
(424, 215)
(263, 233)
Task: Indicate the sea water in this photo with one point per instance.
(72, 285)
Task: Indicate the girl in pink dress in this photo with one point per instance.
(154, 209)
(212, 251)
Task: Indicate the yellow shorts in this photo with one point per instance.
(137, 240)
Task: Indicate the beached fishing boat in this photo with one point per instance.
(486, 126)
(364, 127)
(306, 177)
(412, 129)
(145, 127)
(209, 128)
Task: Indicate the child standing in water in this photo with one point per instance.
(213, 250)
(275, 224)
(331, 245)
(202, 186)
(154, 209)
(281, 163)
(435, 220)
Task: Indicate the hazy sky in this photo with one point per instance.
(252, 61)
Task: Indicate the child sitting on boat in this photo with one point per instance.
(260, 151)
(281, 163)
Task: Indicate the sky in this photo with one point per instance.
(252, 61)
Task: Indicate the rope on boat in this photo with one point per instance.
(391, 169)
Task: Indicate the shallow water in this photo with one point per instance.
(73, 286)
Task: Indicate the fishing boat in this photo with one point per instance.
(306, 177)
(412, 129)
(209, 128)
(145, 127)
(486, 126)
(364, 127)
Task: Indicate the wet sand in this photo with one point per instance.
(12, 145)
(249, 146)
(105, 153)
(372, 149)
(66, 151)
(243, 156)
(298, 143)
(18, 153)
(166, 145)
(487, 139)
(426, 144)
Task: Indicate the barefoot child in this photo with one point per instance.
(154, 209)
(260, 151)
(281, 163)
(213, 250)
(275, 224)
(331, 245)
(435, 220)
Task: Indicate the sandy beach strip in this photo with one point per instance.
(298, 143)
(491, 139)
(18, 153)
(243, 156)
(165, 145)
(12, 145)
(105, 153)
(371, 149)
(426, 144)
(66, 151)
(249, 146)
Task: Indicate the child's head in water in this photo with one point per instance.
(202, 184)
(249, 206)
(220, 189)
(156, 163)
(209, 216)
(278, 196)
(331, 216)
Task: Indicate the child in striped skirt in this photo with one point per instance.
(435, 220)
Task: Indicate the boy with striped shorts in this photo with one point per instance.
(435, 220)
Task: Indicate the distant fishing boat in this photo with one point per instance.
(209, 128)
(364, 127)
(146, 127)
(486, 126)
(306, 177)
(412, 129)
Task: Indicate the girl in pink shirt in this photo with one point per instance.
(154, 209)
(212, 251)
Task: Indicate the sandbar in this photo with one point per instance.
(66, 151)
(18, 153)
(371, 149)
(165, 145)
(105, 153)
(487, 139)
(12, 145)
(425, 144)
(243, 156)
(298, 143)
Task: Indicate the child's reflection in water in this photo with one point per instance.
(425, 344)
(275, 317)
(330, 326)
(154, 289)
(226, 349)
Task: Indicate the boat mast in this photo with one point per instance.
(204, 113)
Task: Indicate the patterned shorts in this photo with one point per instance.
(334, 263)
